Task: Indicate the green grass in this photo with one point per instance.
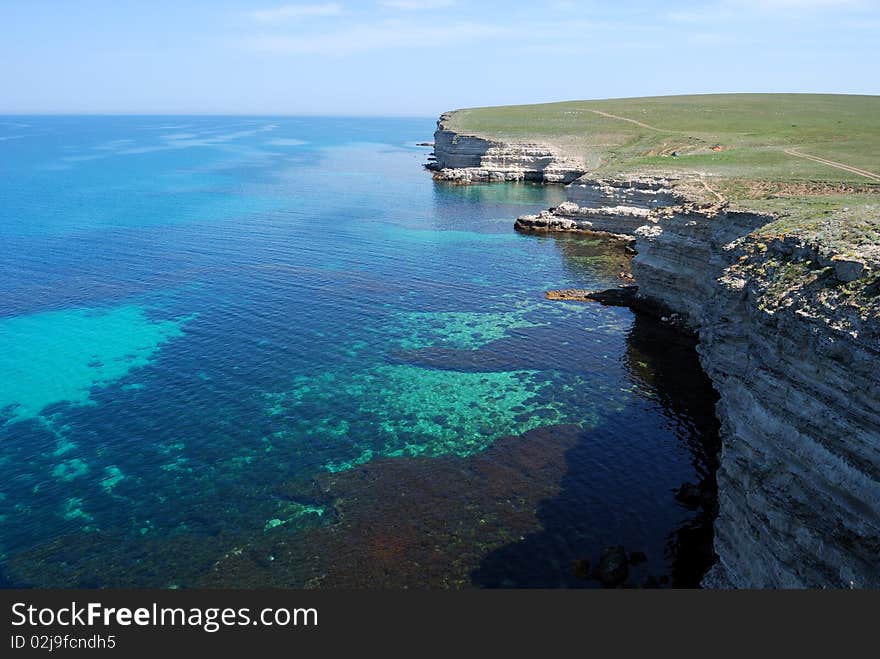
(753, 130)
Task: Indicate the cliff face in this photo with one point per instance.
(639, 192)
(789, 333)
(604, 206)
(620, 220)
(791, 342)
(681, 254)
(470, 159)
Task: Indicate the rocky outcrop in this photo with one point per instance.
(469, 159)
(622, 296)
(639, 192)
(604, 206)
(621, 220)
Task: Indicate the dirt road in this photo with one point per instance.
(838, 165)
(632, 121)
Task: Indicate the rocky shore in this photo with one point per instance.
(788, 321)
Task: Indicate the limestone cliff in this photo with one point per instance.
(789, 332)
(792, 345)
(469, 159)
(604, 206)
(618, 220)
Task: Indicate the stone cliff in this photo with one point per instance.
(792, 344)
(603, 206)
(467, 158)
(789, 333)
(788, 321)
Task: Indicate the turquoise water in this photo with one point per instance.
(197, 311)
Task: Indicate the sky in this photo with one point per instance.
(419, 57)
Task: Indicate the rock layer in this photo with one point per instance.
(794, 361)
(470, 159)
(604, 206)
(639, 192)
(568, 216)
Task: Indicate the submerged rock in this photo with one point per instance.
(695, 496)
(613, 567)
(622, 296)
(689, 494)
(637, 558)
(581, 568)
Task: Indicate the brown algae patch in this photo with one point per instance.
(434, 522)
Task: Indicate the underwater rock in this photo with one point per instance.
(694, 496)
(581, 568)
(613, 567)
(436, 522)
(637, 557)
(689, 494)
(622, 296)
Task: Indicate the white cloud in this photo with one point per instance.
(416, 5)
(287, 12)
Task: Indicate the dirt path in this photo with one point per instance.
(791, 152)
(632, 121)
(838, 165)
(717, 194)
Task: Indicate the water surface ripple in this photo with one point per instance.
(271, 351)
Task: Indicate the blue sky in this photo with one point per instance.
(419, 57)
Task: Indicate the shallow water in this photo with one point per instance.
(228, 343)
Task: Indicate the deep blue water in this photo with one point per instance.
(196, 311)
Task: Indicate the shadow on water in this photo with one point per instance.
(574, 530)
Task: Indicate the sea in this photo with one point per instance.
(272, 351)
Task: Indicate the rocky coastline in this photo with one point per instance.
(788, 324)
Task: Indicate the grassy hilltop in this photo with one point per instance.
(752, 130)
(760, 151)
